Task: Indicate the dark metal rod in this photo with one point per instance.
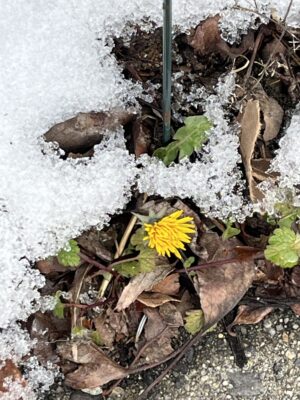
(167, 69)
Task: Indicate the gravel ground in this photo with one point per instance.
(209, 372)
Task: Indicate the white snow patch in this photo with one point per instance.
(214, 181)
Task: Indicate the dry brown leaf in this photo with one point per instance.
(97, 370)
(94, 375)
(171, 315)
(85, 130)
(187, 303)
(50, 265)
(170, 285)
(162, 329)
(207, 39)
(249, 315)
(118, 322)
(141, 137)
(77, 285)
(11, 371)
(207, 36)
(295, 278)
(272, 115)
(100, 243)
(260, 169)
(296, 308)
(250, 130)
(106, 332)
(222, 287)
(46, 329)
(155, 299)
(140, 283)
(273, 48)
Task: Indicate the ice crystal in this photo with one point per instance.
(214, 181)
(287, 164)
(287, 160)
(14, 343)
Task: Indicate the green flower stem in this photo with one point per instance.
(167, 69)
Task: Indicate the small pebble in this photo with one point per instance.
(290, 355)
(285, 337)
(267, 324)
(279, 328)
(272, 332)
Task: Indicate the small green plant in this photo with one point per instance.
(194, 321)
(59, 306)
(187, 139)
(284, 247)
(145, 261)
(69, 257)
(230, 231)
(188, 262)
(288, 214)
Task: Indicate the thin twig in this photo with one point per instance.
(220, 262)
(137, 357)
(120, 249)
(95, 263)
(178, 354)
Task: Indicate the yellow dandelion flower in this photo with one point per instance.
(169, 234)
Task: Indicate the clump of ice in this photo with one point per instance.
(287, 164)
(287, 160)
(214, 181)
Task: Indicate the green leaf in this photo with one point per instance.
(288, 214)
(69, 257)
(79, 331)
(194, 321)
(283, 248)
(137, 239)
(230, 231)
(188, 262)
(147, 259)
(59, 306)
(187, 139)
(96, 338)
(128, 268)
(160, 153)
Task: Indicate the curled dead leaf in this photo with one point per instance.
(155, 299)
(170, 285)
(11, 371)
(50, 265)
(260, 169)
(105, 331)
(85, 129)
(249, 315)
(161, 326)
(98, 369)
(207, 39)
(100, 243)
(272, 115)
(140, 283)
(141, 137)
(250, 130)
